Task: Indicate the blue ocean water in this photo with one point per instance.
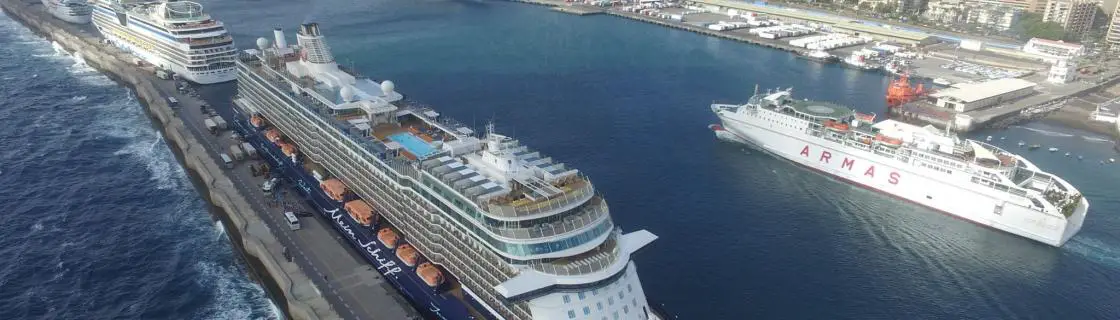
(743, 235)
(98, 220)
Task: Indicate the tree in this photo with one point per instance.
(865, 6)
(1030, 25)
(885, 8)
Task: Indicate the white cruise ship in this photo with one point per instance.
(969, 179)
(464, 225)
(173, 35)
(72, 11)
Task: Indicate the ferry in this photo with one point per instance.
(463, 224)
(72, 11)
(970, 179)
(177, 36)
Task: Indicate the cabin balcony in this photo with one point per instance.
(520, 204)
(586, 216)
(588, 262)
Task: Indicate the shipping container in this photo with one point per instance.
(220, 122)
(249, 150)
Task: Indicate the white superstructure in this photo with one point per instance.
(969, 179)
(173, 35)
(72, 11)
(526, 237)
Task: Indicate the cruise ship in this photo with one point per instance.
(969, 179)
(177, 36)
(72, 11)
(463, 224)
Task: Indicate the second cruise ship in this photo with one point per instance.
(969, 179)
(463, 224)
(72, 11)
(177, 36)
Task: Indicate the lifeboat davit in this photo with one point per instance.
(408, 255)
(836, 126)
(388, 238)
(430, 273)
(892, 142)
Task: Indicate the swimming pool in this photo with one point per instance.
(413, 144)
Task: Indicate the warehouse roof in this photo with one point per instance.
(969, 92)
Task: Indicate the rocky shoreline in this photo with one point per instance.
(284, 281)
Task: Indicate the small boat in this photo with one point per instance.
(1111, 159)
(1053, 149)
(388, 238)
(1022, 143)
(1079, 158)
(988, 139)
(1067, 154)
(1003, 138)
(1034, 146)
(430, 273)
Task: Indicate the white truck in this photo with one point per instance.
(236, 152)
(220, 122)
(249, 150)
(210, 125)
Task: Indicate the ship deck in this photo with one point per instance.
(822, 109)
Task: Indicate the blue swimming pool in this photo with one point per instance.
(413, 144)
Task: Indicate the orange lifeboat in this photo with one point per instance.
(388, 238)
(289, 149)
(836, 126)
(257, 121)
(869, 118)
(893, 142)
(430, 273)
(272, 135)
(900, 91)
(361, 212)
(334, 189)
(408, 255)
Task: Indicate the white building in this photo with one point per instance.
(1104, 114)
(1076, 16)
(1062, 71)
(964, 97)
(994, 17)
(1052, 51)
(946, 11)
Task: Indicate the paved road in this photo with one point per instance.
(349, 284)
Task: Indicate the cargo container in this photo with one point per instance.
(236, 152)
(249, 150)
(219, 121)
(210, 125)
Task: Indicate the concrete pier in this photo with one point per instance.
(288, 285)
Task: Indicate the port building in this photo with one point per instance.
(964, 97)
(837, 24)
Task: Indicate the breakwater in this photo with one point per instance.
(286, 283)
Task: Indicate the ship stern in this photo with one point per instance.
(1075, 220)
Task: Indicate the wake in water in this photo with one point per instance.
(1045, 132)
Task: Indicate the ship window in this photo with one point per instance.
(616, 315)
(626, 309)
(581, 295)
(620, 295)
(586, 311)
(629, 287)
(567, 299)
(599, 305)
(571, 314)
(610, 301)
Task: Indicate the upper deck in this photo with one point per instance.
(497, 174)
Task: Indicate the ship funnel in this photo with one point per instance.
(280, 40)
(315, 49)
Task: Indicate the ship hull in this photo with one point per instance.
(862, 169)
(77, 15)
(431, 302)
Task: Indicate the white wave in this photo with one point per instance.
(219, 228)
(78, 98)
(1095, 250)
(38, 226)
(235, 296)
(1096, 139)
(1046, 132)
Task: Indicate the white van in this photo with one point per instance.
(269, 185)
(226, 160)
(293, 221)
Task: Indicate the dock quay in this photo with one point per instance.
(309, 273)
(730, 35)
(578, 10)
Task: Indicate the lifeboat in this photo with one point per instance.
(288, 148)
(869, 118)
(893, 142)
(430, 273)
(388, 238)
(272, 135)
(334, 188)
(836, 126)
(361, 212)
(408, 255)
(257, 121)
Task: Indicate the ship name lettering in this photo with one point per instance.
(870, 171)
(388, 267)
(825, 155)
(848, 163)
(894, 178)
(435, 309)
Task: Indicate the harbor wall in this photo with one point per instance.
(247, 232)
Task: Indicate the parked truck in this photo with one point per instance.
(236, 152)
(210, 125)
(249, 150)
(219, 121)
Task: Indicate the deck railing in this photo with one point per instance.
(566, 201)
(586, 263)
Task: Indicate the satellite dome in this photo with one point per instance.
(262, 43)
(387, 87)
(347, 93)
